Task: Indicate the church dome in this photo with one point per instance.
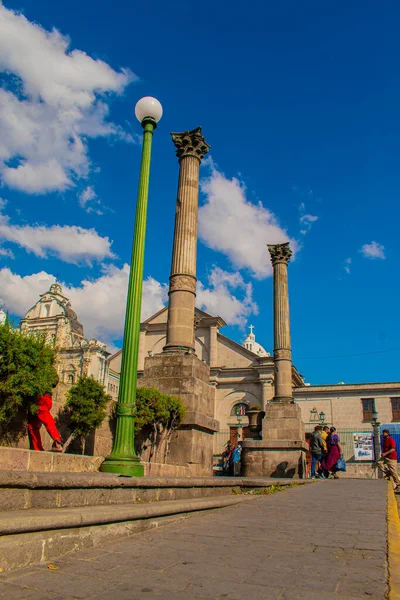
(251, 344)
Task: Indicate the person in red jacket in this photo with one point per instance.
(387, 463)
(43, 417)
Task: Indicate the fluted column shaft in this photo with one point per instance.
(280, 256)
(191, 148)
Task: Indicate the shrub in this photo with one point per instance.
(158, 415)
(87, 408)
(27, 370)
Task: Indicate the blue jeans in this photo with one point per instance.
(315, 458)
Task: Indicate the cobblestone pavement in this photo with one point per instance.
(320, 541)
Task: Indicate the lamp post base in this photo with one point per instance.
(129, 466)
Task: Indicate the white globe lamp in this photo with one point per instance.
(148, 107)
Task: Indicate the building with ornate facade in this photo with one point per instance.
(240, 375)
(243, 375)
(76, 355)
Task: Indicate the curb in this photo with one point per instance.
(393, 522)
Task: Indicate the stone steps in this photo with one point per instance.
(41, 535)
(45, 519)
(46, 515)
(26, 491)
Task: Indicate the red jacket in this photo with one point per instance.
(389, 443)
(44, 402)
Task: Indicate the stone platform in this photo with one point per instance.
(281, 451)
(186, 376)
(277, 547)
(45, 515)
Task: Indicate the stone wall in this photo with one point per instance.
(342, 405)
(18, 459)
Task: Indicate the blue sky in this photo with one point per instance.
(299, 102)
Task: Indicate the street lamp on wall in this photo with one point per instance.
(123, 458)
(322, 417)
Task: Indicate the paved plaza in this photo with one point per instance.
(324, 540)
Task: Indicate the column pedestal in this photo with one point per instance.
(282, 450)
(186, 376)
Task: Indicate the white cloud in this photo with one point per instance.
(69, 243)
(219, 299)
(20, 293)
(36, 178)
(228, 222)
(347, 264)
(52, 100)
(89, 201)
(87, 196)
(6, 252)
(306, 219)
(99, 303)
(373, 250)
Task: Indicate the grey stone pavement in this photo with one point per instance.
(323, 541)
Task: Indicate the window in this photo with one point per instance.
(395, 409)
(239, 409)
(368, 408)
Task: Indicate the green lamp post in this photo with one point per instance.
(123, 459)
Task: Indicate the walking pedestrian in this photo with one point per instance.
(324, 436)
(236, 463)
(226, 458)
(43, 417)
(317, 448)
(335, 451)
(388, 460)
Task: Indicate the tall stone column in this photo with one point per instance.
(281, 451)
(191, 148)
(280, 256)
(178, 370)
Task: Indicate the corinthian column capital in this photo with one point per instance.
(190, 143)
(280, 253)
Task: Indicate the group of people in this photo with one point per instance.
(231, 459)
(326, 450)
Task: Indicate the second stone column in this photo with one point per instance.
(191, 148)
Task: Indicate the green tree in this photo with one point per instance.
(27, 370)
(158, 415)
(87, 408)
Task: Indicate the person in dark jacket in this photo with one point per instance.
(317, 449)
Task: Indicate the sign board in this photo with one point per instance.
(364, 446)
